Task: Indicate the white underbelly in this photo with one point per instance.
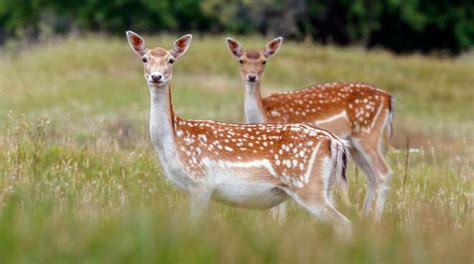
(244, 184)
(248, 194)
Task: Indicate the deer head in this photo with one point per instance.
(252, 61)
(158, 62)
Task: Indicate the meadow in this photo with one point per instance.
(80, 182)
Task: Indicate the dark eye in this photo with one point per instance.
(171, 61)
(145, 60)
(264, 62)
(241, 61)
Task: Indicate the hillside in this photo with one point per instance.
(80, 181)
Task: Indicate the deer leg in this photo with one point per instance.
(199, 201)
(382, 172)
(362, 160)
(330, 214)
(315, 196)
(384, 179)
(323, 210)
(279, 212)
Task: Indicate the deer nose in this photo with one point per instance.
(156, 77)
(251, 77)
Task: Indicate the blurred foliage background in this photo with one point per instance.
(442, 27)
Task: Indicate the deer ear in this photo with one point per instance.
(273, 46)
(136, 43)
(234, 47)
(181, 45)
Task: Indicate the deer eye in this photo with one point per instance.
(264, 62)
(171, 61)
(241, 61)
(145, 60)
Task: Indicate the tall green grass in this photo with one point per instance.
(79, 181)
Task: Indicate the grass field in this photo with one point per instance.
(79, 181)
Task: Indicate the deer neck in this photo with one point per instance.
(254, 111)
(162, 122)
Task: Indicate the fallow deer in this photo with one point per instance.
(254, 166)
(358, 112)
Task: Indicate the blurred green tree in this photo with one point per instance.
(402, 26)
